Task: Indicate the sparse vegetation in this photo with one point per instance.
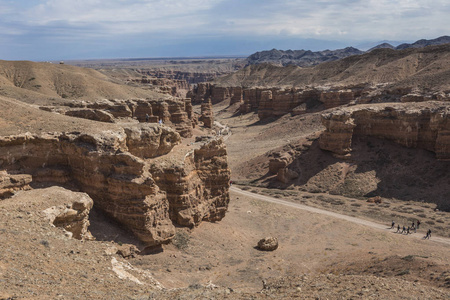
(181, 240)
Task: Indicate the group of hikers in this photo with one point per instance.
(409, 230)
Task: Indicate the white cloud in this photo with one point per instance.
(120, 16)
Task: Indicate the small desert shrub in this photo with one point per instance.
(422, 215)
(45, 243)
(245, 188)
(181, 240)
(408, 257)
(418, 210)
(356, 204)
(430, 222)
(404, 272)
(440, 221)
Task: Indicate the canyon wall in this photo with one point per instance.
(274, 102)
(111, 168)
(414, 125)
(173, 112)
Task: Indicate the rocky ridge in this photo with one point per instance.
(174, 112)
(113, 168)
(307, 58)
(425, 126)
(301, 58)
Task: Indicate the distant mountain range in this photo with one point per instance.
(306, 58)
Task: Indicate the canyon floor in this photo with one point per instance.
(319, 256)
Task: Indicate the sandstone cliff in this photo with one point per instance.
(173, 112)
(420, 125)
(111, 167)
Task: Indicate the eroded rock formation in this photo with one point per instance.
(275, 102)
(420, 125)
(198, 189)
(10, 183)
(174, 112)
(207, 116)
(72, 213)
(110, 166)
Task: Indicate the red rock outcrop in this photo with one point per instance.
(207, 116)
(91, 114)
(420, 125)
(110, 167)
(72, 213)
(197, 190)
(99, 165)
(11, 183)
(171, 111)
(218, 94)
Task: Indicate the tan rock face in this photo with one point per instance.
(422, 125)
(207, 116)
(173, 112)
(73, 216)
(110, 168)
(9, 183)
(198, 189)
(150, 140)
(100, 165)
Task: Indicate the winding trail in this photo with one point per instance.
(378, 226)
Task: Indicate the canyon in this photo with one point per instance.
(115, 182)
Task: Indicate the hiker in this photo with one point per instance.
(418, 223)
(413, 228)
(393, 223)
(398, 228)
(147, 117)
(160, 121)
(407, 230)
(404, 229)
(428, 234)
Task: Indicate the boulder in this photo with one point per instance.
(268, 244)
(73, 217)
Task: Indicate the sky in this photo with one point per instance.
(92, 29)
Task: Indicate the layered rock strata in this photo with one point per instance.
(176, 113)
(207, 116)
(73, 215)
(110, 167)
(11, 183)
(197, 190)
(274, 102)
(420, 125)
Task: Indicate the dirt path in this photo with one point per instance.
(329, 213)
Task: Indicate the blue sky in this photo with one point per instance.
(83, 29)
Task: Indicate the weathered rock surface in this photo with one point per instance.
(10, 183)
(207, 116)
(150, 140)
(197, 190)
(91, 114)
(110, 167)
(268, 244)
(72, 215)
(275, 102)
(174, 112)
(421, 125)
(101, 166)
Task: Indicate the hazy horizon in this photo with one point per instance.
(94, 29)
